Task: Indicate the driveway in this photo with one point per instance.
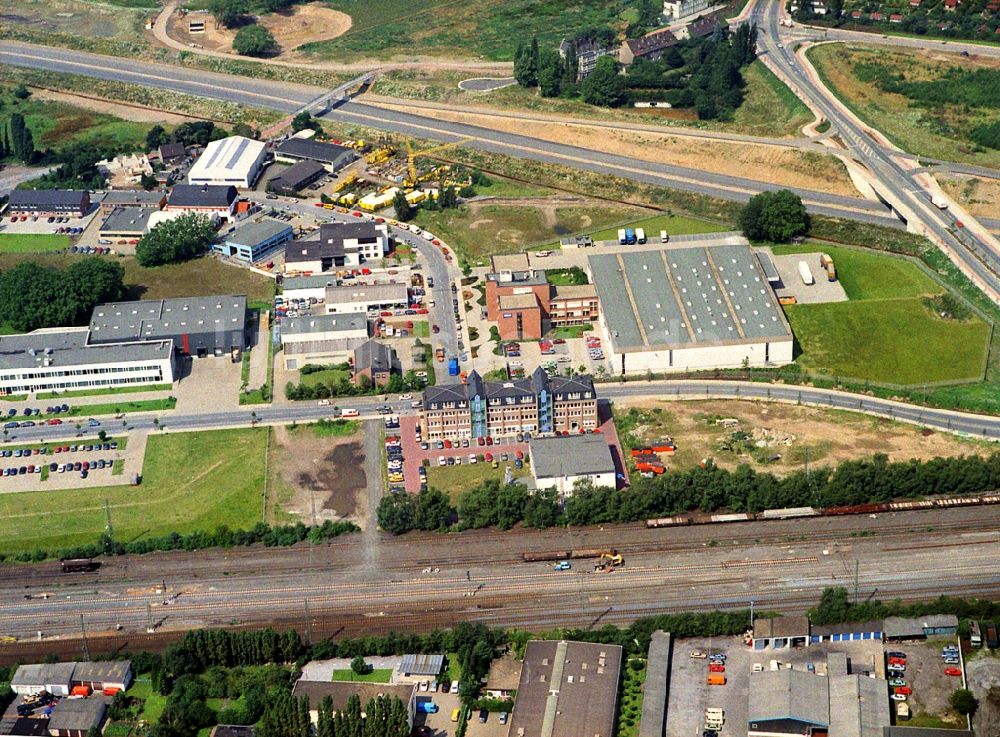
(208, 384)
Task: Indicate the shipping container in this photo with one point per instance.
(452, 367)
(716, 679)
(806, 274)
(992, 641)
(540, 556)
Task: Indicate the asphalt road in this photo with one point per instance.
(818, 33)
(897, 185)
(426, 580)
(289, 98)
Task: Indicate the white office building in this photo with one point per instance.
(366, 297)
(62, 359)
(235, 160)
(678, 10)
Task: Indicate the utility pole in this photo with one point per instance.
(86, 649)
(309, 625)
(857, 569)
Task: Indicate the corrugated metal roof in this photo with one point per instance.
(421, 665)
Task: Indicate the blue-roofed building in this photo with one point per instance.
(255, 240)
(688, 307)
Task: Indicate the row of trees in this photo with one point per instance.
(385, 716)
(20, 144)
(34, 296)
(221, 537)
(344, 387)
(707, 489)
(181, 239)
(968, 19)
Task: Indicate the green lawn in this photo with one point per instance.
(32, 242)
(453, 480)
(339, 428)
(154, 703)
(116, 408)
(572, 331)
(191, 481)
(867, 275)
(326, 376)
(421, 329)
(673, 224)
(769, 107)
(106, 392)
(377, 675)
(896, 341)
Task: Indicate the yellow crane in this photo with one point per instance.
(609, 560)
(412, 155)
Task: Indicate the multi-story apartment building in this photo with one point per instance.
(538, 404)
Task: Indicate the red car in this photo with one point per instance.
(54, 421)
(356, 214)
(897, 661)
(489, 457)
(447, 443)
(905, 690)
(953, 671)
(716, 668)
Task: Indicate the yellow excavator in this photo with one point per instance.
(411, 156)
(609, 560)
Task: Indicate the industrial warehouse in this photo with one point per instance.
(676, 308)
(235, 161)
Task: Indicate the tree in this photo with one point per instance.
(359, 666)
(964, 702)
(156, 137)
(605, 86)
(21, 92)
(774, 216)
(550, 72)
(175, 240)
(396, 513)
(304, 120)
(228, 13)
(148, 182)
(34, 296)
(567, 84)
(253, 41)
(404, 210)
(21, 142)
(432, 510)
(526, 64)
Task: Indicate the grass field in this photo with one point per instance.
(105, 392)
(884, 332)
(673, 224)
(325, 376)
(202, 276)
(153, 702)
(191, 481)
(32, 242)
(377, 675)
(769, 107)
(56, 124)
(483, 28)
(921, 124)
(453, 480)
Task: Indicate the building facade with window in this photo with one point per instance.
(539, 404)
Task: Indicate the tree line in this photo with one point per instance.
(708, 489)
(34, 296)
(344, 387)
(221, 537)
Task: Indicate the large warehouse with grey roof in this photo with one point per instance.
(687, 307)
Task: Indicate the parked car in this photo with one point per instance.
(953, 671)
(698, 654)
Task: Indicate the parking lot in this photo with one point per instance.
(27, 224)
(819, 292)
(51, 466)
(926, 677)
(490, 728)
(439, 723)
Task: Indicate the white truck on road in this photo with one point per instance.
(939, 202)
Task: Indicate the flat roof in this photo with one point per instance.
(230, 157)
(71, 347)
(316, 281)
(505, 672)
(858, 706)
(341, 691)
(312, 324)
(421, 665)
(258, 231)
(567, 689)
(781, 627)
(510, 262)
(517, 301)
(134, 197)
(317, 150)
(570, 455)
(128, 220)
(916, 626)
(393, 293)
(789, 694)
(655, 690)
(165, 318)
(662, 298)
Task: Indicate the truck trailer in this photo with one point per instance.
(640, 235)
(621, 237)
(806, 274)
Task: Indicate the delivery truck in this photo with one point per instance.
(452, 367)
(640, 235)
(621, 237)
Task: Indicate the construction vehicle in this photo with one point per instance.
(348, 181)
(411, 156)
(608, 560)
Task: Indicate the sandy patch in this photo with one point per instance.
(302, 24)
(796, 434)
(325, 472)
(120, 110)
(789, 167)
(977, 195)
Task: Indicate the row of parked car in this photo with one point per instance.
(83, 467)
(44, 450)
(30, 411)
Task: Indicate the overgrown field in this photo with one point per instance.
(928, 105)
(191, 481)
(886, 331)
(461, 28)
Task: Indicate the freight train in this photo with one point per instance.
(795, 512)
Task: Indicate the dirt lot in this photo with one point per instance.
(83, 19)
(828, 436)
(931, 687)
(329, 470)
(983, 671)
(781, 166)
(120, 110)
(977, 195)
(291, 29)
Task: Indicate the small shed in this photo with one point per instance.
(780, 632)
(419, 668)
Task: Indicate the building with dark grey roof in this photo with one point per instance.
(134, 198)
(680, 308)
(46, 202)
(33, 678)
(255, 240)
(562, 461)
(780, 632)
(537, 404)
(322, 339)
(331, 156)
(203, 199)
(567, 689)
(197, 326)
(126, 222)
(374, 362)
(76, 717)
(298, 176)
(651, 47)
(338, 245)
(63, 359)
(172, 153)
(99, 675)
